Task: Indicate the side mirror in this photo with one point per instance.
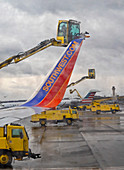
(21, 135)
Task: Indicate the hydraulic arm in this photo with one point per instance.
(71, 91)
(91, 75)
(67, 31)
(22, 55)
(78, 81)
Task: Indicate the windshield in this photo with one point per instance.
(16, 133)
(74, 111)
(62, 30)
(74, 31)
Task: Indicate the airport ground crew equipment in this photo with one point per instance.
(67, 31)
(56, 116)
(14, 144)
(71, 91)
(98, 107)
(91, 75)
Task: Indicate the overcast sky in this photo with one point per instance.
(25, 23)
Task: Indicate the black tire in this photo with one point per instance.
(98, 112)
(69, 121)
(43, 122)
(6, 159)
(113, 111)
(78, 108)
(84, 108)
(10, 158)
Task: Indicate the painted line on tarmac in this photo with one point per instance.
(42, 137)
(96, 156)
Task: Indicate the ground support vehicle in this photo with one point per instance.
(67, 31)
(83, 107)
(101, 107)
(14, 144)
(104, 107)
(56, 116)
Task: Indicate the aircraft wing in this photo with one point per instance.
(14, 114)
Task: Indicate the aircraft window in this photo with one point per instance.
(16, 133)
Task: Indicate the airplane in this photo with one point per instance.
(51, 91)
(89, 97)
(75, 102)
(8, 104)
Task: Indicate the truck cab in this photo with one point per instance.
(17, 138)
(68, 30)
(14, 142)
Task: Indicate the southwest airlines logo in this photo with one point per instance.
(60, 66)
(55, 74)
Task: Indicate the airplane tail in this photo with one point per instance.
(89, 97)
(53, 88)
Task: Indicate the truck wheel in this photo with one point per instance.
(98, 112)
(69, 121)
(6, 159)
(43, 122)
(84, 108)
(113, 111)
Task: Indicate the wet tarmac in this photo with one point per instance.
(95, 142)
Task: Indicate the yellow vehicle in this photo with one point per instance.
(67, 31)
(99, 106)
(14, 144)
(104, 107)
(56, 116)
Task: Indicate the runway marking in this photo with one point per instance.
(101, 165)
(42, 137)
